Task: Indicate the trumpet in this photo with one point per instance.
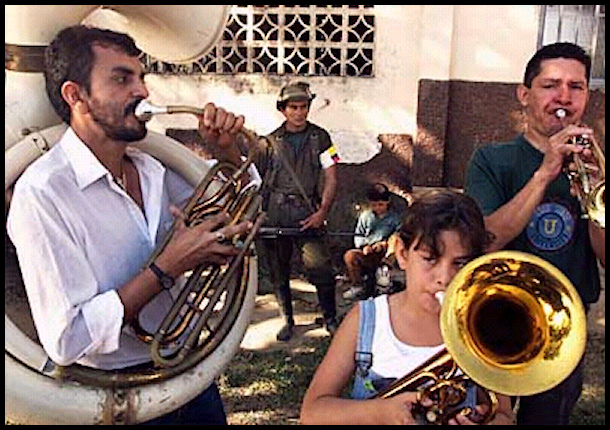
(208, 303)
(592, 198)
(512, 324)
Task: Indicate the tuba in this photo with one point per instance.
(512, 324)
(592, 197)
(205, 309)
(81, 395)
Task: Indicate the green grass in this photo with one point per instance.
(267, 387)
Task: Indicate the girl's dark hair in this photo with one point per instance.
(69, 57)
(441, 210)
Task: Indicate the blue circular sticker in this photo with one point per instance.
(551, 227)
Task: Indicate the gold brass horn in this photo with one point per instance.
(592, 197)
(202, 313)
(212, 296)
(512, 324)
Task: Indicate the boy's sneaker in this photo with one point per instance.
(356, 292)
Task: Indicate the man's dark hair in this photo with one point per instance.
(69, 57)
(556, 50)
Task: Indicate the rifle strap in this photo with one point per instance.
(278, 150)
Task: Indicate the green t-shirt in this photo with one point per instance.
(556, 232)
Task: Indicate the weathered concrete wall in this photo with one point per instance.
(413, 43)
(456, 117)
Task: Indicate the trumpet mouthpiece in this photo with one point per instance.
(145, 110)
(560, 113)
(440, 295)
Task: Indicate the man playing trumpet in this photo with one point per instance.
(528, 202)
(86, 216)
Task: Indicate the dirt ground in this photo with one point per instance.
(266, 321)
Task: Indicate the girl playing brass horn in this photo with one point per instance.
(440, 233)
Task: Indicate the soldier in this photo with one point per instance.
(293, 197)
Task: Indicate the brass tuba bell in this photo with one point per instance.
(512, 324)
(79, 394)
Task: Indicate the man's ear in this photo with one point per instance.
(71, 93)
(523, 94)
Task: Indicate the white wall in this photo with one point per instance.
(492, 43)
(413, 42)
(489, 43)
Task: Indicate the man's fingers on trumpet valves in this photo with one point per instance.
(573, 133)
(585, 167)
(580, 139)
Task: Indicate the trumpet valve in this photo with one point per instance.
(581, 140)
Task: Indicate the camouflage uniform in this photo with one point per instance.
(286, 207)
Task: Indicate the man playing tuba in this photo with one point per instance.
(87, 215)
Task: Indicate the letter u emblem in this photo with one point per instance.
(549, 226)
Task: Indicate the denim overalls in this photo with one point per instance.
(366, 382)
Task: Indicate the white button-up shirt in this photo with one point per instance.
(79, 237)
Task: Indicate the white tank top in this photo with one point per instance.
(391, 357)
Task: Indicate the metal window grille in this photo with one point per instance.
(305, 40)
(584, 25)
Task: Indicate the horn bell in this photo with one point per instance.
(175, 34)
(514, 323)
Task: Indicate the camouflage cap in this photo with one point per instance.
(296, 91)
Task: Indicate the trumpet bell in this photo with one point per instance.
(596, 204)
(514, 323)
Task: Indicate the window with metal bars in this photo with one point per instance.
(305, 40)
(584, 25)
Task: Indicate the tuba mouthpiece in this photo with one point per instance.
(145, 110)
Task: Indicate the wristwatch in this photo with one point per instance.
(166, 280)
